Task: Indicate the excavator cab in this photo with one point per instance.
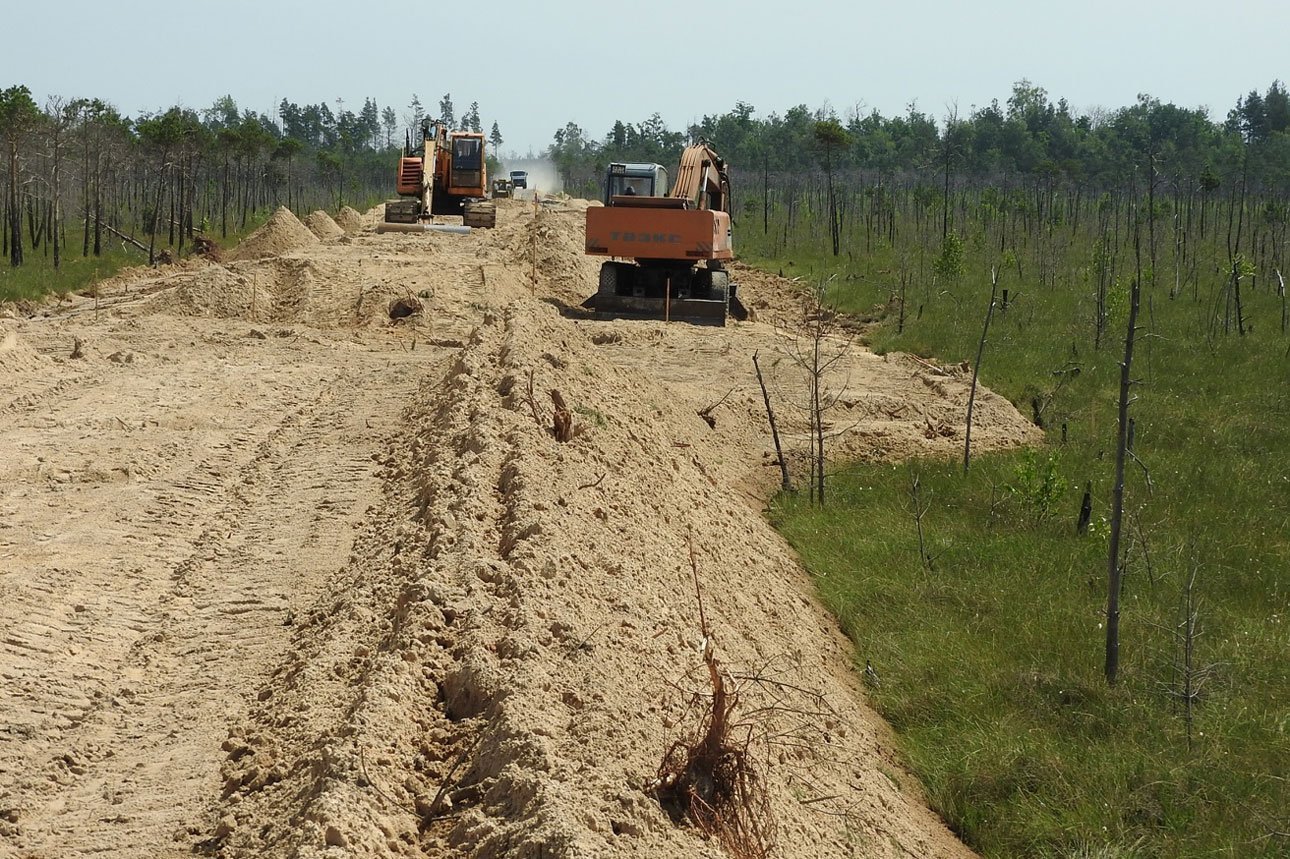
(635, 180)
(467, 165)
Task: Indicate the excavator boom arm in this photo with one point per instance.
(702, 179)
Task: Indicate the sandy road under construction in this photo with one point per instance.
(280, 576)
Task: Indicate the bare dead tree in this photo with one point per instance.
(920, 510)
(818, 352)
(1085, 509)
(1281, 291)
(817, 412)
(1234, 246)
(774, 430)
(904, 288)
(1190, 678)
(1114, 569)
(1235, 287)
(976, 370)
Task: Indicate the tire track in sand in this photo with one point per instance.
(172, 658)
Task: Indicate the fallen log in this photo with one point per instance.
(123, 237)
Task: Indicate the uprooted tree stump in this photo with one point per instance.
(401, 308)
(709, 778)
(204, 247)
(562, 420)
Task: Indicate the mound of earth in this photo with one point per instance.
(322, 226)
(349, 220)
(546, 246)
(218, 292)
(281, 234)
(544, 637)
(17, 355)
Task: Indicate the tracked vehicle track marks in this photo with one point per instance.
(204, 565)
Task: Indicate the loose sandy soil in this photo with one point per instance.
(282, 577)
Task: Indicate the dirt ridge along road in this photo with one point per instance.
(501, 662)
(543, 620)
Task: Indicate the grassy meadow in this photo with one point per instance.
(989, 653)
(37, 277)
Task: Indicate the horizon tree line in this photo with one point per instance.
(78, 172)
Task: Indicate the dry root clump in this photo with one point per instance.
(204, 247)
(709, 778)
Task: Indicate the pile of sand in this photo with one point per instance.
(322, 226)
(281, 234)
(218, 292)
(554, 240)
(17, 355)
(349, 220)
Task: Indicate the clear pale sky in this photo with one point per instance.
(535, 66)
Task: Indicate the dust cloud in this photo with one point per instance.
(543, 176)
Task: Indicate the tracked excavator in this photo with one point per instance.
(445, 175)
(668, 246)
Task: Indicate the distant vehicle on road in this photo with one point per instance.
(519, 178)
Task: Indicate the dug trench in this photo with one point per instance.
(483, 642)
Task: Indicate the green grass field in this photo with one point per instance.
(37, 277)
(991, 661)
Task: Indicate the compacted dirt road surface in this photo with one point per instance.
(281, 576)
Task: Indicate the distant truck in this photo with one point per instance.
(519, 179)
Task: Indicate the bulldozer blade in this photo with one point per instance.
(388, 227)
(698, 311)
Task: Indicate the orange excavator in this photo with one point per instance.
(445, 175)
(668, 246)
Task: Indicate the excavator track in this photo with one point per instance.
(480, 213)
(630, 292)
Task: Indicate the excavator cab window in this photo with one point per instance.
(635, 180)
(466, 153)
